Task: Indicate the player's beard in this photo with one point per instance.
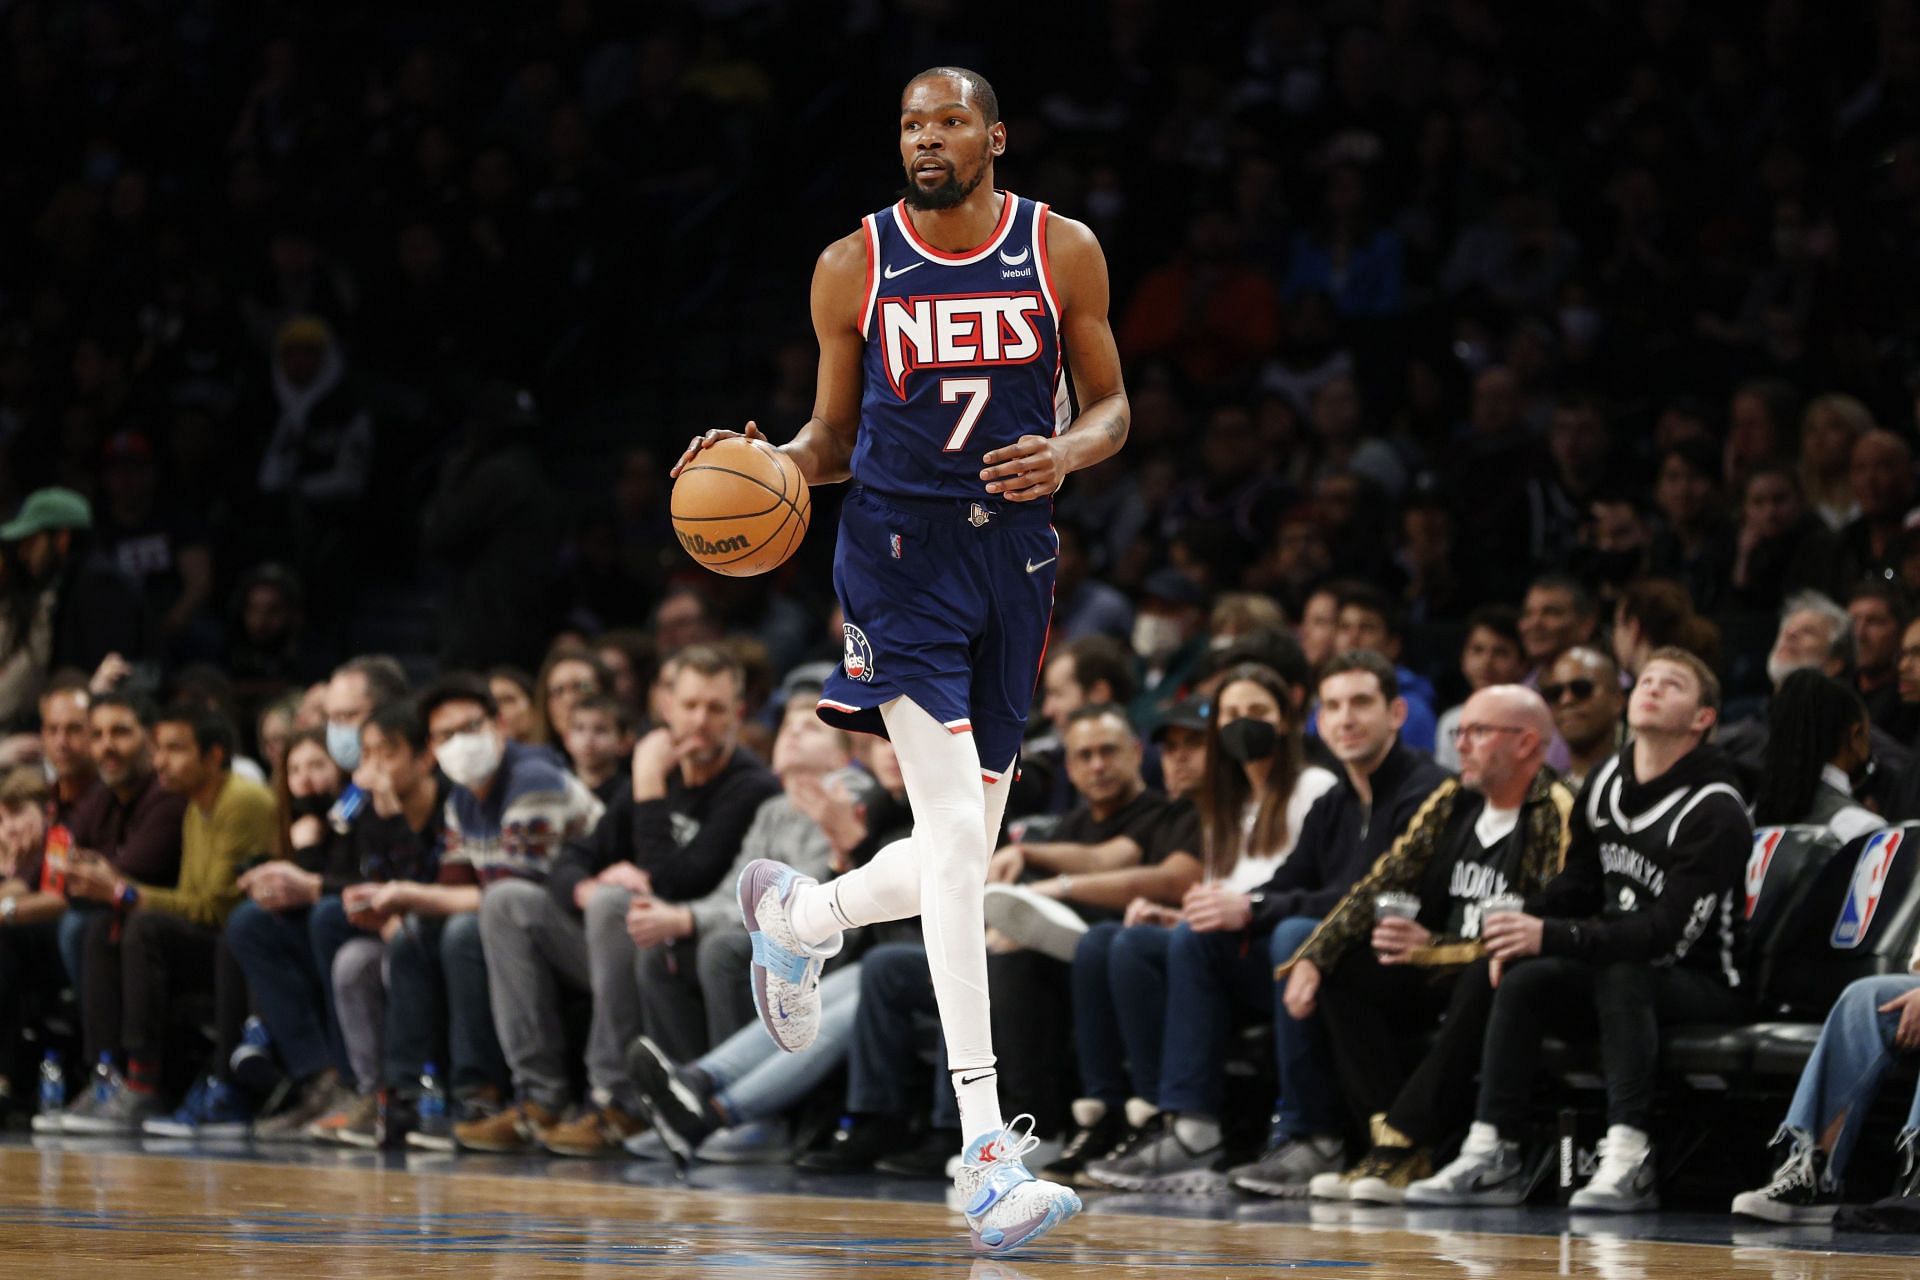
(948, 195)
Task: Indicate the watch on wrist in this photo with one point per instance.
(125, 895)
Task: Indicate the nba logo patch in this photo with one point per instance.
(1863, 895)
(858, 660)
(1766, 842)
(893, 541)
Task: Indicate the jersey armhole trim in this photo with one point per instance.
(1045, 272)
(872, 293)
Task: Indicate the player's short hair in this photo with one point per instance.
(210, 729)
(1702, 673)
(1367, 662)
(977, 87)
(386, 678)
(1366, 596)
(710, 660)
(1103, 711)
(22, 786)
(400, 721)
(606, 704)
(1101, 657)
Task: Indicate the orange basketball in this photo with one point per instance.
(741, 507)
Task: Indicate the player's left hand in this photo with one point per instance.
(1029, 468)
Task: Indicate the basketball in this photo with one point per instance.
(741, 507)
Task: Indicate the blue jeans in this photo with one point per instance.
(275, 952)
(1209, 976)
(437, 1006)
(896, 991)
(1840, 1079)
(1120, 987)
(73, 938)
(753, 1080)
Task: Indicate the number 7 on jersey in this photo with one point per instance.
(977, 391)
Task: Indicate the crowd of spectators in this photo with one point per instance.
(1488, 366)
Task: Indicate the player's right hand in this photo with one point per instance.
(707, 439)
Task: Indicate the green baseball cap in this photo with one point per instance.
(53, 508)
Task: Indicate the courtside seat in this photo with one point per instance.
(1782, 1048)
(1856, 919)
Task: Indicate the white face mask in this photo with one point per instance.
(1155, 636)
(469, 759)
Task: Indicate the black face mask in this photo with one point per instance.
(309, 806)
(1248, 739)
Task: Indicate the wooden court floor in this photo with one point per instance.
(100, 1215)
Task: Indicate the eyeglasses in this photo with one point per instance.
(1580, 689)
(579, 688)
(1476, 732)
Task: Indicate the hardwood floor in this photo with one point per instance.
(100, 1214)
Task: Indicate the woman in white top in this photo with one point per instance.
(1253, 796)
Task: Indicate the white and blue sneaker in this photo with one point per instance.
(786, 972)
(1005, 1205)
(212, 1110)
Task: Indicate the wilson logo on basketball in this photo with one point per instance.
(700, 546)
(963, 331)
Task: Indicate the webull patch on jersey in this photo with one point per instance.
(963, 331)
(1863, 895)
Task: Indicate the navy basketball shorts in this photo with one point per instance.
(947, 602)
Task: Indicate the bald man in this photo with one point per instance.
(1381, 980)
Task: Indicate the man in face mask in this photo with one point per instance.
(1169, 640)
(510, 809)
(357, 687)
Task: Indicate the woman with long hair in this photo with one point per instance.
(1655, 612)
(1818, 736)
(570, 673)
(1254, 793)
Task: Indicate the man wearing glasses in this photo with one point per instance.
(1641, 929)
(1582, 689)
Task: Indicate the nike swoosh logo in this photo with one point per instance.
(1016, 261)
(890, 273)
(975, 1079)
(1035, 568)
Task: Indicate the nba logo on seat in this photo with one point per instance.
(859, 655)
(1863, 896)
(1766, 842)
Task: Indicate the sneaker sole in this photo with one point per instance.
(224, 1131)
(358, 1141)
(1641, 1204)
(1374, 1191)
(756, 878)
(1280, 1190)
(1015, 913)
(1062, 1208)
(91, 1128)
(1752, 1205)
(429, 1142)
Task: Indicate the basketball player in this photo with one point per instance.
(943, 323)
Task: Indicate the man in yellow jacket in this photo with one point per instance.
(169, 935)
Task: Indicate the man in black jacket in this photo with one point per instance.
(1641, 929)
(1223, 954)
(667, 839)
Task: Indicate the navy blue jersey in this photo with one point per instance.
(963, 353)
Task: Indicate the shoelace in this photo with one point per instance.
(1013, 1146)
(1794, 1175)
